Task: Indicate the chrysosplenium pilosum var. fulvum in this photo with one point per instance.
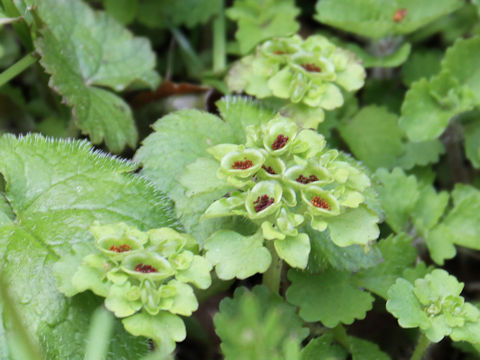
(303, 71)
(145, 278)
(285, 179)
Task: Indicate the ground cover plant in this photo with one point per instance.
(245, 179)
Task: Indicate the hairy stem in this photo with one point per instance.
(16, 68)
(273, 276)
(219, 54)
(422, 346)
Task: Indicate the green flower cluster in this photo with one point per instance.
(306, 71)
(284, 175)
(435, 306)
(143, 271)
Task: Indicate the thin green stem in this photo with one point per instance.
(195, 63)
(422, 346)
(273, 275)
(219, 52)
(17, 68)
(99, 335)
(21, 27)
(341, 336)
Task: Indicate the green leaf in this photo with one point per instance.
(429, 208)
(183, 135)
(366, 350)
(323, 347)
(355, 226)
(256, 324)
(329, 297)
(420, 153)
(429, 106)
(375, 18)
(56, 189)
(164, 328)
(165, 14)
(440, 245)
(422, 63)
(240, 112)
(200, 177)
(294, 250)
(365, 136)
(261, 20)
(462, 60)
(472, 143)
(398, 195)
(463, 221)
(235, 255)
(325, 254)
(398, 254)
(85, 52)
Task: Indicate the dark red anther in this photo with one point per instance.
(269, 170)
(399, 15)
(263, 202)
(145, 268)
(312, 68)
(279, 142)
(121, 248)
(279, 52)
(320, 203)
(306, 180)
(242, 165)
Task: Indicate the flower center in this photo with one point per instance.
(306, 180)
(145, 268)
(121, 248)
(242, 165)
(263, 202)
(279, 142)
(312, 68)
(399, 15)
(269, 170)
(320, 203)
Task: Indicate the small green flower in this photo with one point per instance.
(301, 177)
(263, 199)
(302, 71)
(147, 266)
(118, 241)
(434, 305)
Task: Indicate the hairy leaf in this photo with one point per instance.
(85, 52)
(56, 189)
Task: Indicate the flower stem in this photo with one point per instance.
(17, 68)
(422, 346)
(273, 275)
(219, 54)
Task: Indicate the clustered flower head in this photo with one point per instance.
(308, 71)
(137, 270)
(434, 305)
(284, 175)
